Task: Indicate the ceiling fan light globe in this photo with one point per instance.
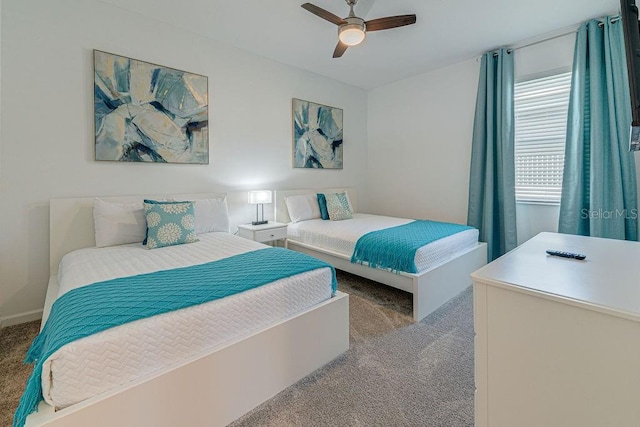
(351, 34)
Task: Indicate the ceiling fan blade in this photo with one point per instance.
(390, 22)
(340, 49)
(324, 14)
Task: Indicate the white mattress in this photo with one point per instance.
(341, 237)
(91, 365)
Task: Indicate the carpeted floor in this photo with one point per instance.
(396, 373)
(14, 343)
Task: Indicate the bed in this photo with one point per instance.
(443, 271)
(203, 365)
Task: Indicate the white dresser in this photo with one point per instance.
(558, 340)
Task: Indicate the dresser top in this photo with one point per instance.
(607, 280)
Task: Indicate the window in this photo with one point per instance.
(541, 107)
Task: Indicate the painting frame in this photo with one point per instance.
(318, 131)
(149, 113)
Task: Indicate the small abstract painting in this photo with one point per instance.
(317, 136)
(149, 113)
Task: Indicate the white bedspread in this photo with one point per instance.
(341, 237)
(116, 356)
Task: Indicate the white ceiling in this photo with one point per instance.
(446, 31)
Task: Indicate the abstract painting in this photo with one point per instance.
(317, 136)
(149, 113)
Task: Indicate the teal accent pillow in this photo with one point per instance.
(338, 206)
(169, 223)
(322, 202)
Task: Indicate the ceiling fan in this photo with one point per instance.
(352, 30)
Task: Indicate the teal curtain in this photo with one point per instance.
(492, 200)
(599, 194)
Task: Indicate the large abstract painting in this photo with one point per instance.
(149, 113)
(317, 135)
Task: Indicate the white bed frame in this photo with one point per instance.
(430, 288)
(211, 389)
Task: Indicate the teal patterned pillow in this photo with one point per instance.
(169, 223)
(338, 206)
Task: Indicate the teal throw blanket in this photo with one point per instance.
(395, 248)
(90, 309)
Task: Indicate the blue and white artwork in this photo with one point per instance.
(148, 113)
(317, 136)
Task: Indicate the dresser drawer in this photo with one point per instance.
(269, 235)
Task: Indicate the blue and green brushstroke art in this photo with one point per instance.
(149, 113)
(317, 136)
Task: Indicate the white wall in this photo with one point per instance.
(47, 113)
(419, 146)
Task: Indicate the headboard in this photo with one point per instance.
(282, 214)
(71, 221)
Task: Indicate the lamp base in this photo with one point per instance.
(259, 222)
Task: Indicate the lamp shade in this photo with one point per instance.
(259, 196)
(351, 34)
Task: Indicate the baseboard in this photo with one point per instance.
(16, 319)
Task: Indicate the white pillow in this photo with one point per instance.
(349, 201)
(303, 208)
(211, 215)
(118, 223)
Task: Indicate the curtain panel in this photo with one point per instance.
(492, 203)
(599, 194)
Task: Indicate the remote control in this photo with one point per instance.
(566, 254)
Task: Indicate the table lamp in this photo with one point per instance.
(259, 198)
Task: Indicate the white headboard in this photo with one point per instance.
(71, 222)
(282, 214)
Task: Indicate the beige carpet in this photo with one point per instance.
(396, 373)
(14, 342)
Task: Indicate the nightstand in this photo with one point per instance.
(264, 232)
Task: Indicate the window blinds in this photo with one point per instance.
(541, 107)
